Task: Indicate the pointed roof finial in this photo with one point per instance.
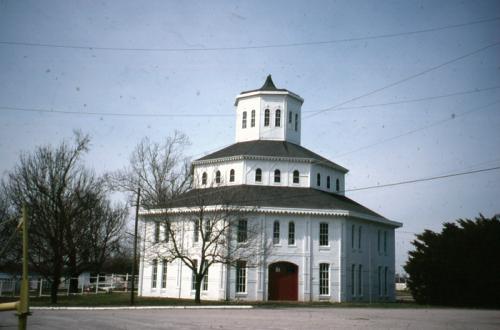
(268, 85)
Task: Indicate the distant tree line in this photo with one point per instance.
(459, 266)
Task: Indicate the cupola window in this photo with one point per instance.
(217, 177)
(328, 182)
(318, 179)
(337, 184)
(277, 118)
(296, 122)
(266, 117)
(204, 178)
(258, 175)
(277, 176)
(244, 120)
(231, 175)
(289, 117)
(295, 176)
(252, 119)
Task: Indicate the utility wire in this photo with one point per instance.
(398, 82)
(424, 179)
(204, 115)
(436, 123)
(229, 48)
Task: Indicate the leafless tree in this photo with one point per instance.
(161, 170)
(205, 227)
(72, 225)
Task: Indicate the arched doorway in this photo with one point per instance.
(283, 281)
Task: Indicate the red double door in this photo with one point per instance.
(283, 281)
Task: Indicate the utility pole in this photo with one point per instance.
(135, 247)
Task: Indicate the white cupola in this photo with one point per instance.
(268, 113)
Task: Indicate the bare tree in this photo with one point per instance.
(204, 227)
(161, 170)
(70, 217)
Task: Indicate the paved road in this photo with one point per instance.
(280, 318)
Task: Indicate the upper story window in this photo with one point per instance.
(242, 231)
(244, 120)
(277, 176)
(204, 178)
(258, 175)
(337, 184)
(378, 241)
(266, 117)
(231, 175)
(296, 122)
(291, 233)
(277, 118)
(217, 177)
(276, 232)
(328, 182)
(166, 233)
(318, 179)
(196, 230)
(289, 117)
(296, 176)
(323, 234)
(353, 232)
(360, 231)
(157, 232)
(252, 119)
(385, 242)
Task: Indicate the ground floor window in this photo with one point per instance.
(360, 280)
(154, 274)
(324, 279)
(379, 280)
(241, 277)
(353, 278)
(385, 281)
(193, 277)
(205, 277)
(164, 274)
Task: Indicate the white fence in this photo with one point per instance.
(70, 286)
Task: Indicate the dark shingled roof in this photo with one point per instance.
(269, 148)
(268, 86)
(269, 196)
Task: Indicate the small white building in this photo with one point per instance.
(325, 246)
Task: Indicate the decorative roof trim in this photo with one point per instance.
(273, 210)
(264, 92)
(271, 158)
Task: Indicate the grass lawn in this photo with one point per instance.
(123, 299)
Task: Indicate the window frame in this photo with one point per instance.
(353, 280)
(204, 178)
(242, 231)
(164, 264)
(324, 235)
(241, 277)
(324, 279)
(360, 280)
(337, 185)
(291, 233)
(267, 118)
(258, 175)
(277, 176)
(327, 182)
(204, 282)
(252, 119)
(277, 118)
(154, 274)
(318, 179)
(296, 122)
(296, 177)
(290, 117)
(156, 233)
(193, 275)
(244, 120)
(360, 234)
(231, 175)
(217, 177)
(276, 232)
(196, 231)
(166, 232)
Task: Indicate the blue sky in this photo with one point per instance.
(202, 83)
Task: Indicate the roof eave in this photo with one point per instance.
(261, 92)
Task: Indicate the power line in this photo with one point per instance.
(232, 48)
(424, 179)
(203, 115)
(436, 123)
(413, 76)
(421, 99)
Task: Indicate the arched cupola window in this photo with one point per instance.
(318, 179)
(296, 176)
(244, 120)
(252, 119)
(231, 175)
(277, 118)
(296, 122)
(217, 177)
(328, 182)
(277, 176)
(258, 175)
(337, 185)
(266, 117)
(204, 178)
